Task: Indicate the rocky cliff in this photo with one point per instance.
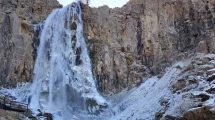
(142, 38)
(126, 45)
(16, 37)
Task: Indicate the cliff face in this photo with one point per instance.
(126, 44)
(142, 38)
(16, 37)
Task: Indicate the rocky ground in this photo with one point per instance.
(8, 115)
(185, 92)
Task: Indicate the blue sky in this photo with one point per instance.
(96, 3)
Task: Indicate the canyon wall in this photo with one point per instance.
(16, 37)
(144, 37)
(126, 45)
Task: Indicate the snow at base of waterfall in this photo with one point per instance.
(155, 96)
(144, 101)
(139, 103)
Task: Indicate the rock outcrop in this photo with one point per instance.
(182, 93)
(16, 37)
(144, 37)
(196, 90)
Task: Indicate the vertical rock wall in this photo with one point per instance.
(16, 37)
(144, 37)
(126, 44)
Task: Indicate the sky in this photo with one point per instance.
(97, 3)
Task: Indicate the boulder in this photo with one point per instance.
(202, 113)
(211, 78)
(178, 85)
(202, 47)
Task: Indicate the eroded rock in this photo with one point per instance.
(202, 113)
(17, 52)
(211, 78)
(179, 85)
(147, 33)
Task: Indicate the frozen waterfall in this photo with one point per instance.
(63, 79)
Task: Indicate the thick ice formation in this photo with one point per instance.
(63, 80)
